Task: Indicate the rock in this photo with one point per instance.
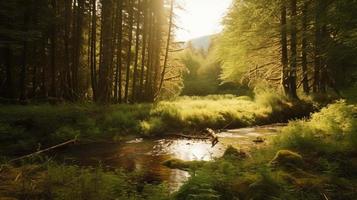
(135, 141)
(259, 140)
(232, 152)
(286, 158)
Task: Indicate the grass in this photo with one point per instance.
(27, 128)
(53, 181)
(309, 159)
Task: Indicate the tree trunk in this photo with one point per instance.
(284, 50)
(167, 48)
(53, 89)
(149, 60)
(67, 71)
(128, 61)
(137, 38)
(143, 50)
(105, 70)
(9, 82)
(118, 69)
(24, 54)
(93, 56)
(305, 78)
(293, 48)
(317, 53)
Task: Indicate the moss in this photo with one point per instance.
(286, 158)
(183, 165)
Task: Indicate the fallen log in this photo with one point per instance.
(193, 137)
(44, 150)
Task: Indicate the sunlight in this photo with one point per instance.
(200, 17)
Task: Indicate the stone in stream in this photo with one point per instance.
(137, 140)
(259, 140)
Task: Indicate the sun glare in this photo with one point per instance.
(200, 17)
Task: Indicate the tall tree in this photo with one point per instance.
(118, 69)
(137, 51)
(128, 58)
(284, 50)
(105, 68)
(93, 47)
(168, 42)
(304, 46)
(293, 48)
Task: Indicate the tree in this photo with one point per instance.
(105, 68)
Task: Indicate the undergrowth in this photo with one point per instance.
(53, 181)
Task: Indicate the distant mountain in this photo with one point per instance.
(202, 42)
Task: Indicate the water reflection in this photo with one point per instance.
(146, 156)
(189, 150)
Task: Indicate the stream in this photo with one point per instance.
(147, 155)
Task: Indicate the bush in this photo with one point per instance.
(286, 158)
(152, 126)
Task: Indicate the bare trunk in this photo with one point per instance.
(137, 49)
(284, 50)
(305, 78)
(128, 61)
(167, 48)
(293, 48)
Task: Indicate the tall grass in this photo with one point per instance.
(54, 181)
(24, 128)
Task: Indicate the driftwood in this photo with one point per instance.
(213, 136)
(45, 150)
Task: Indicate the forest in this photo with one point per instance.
(103, 99)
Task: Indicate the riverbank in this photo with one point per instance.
(138, 161)
(25, 129)
(309, 159)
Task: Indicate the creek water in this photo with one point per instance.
(147, 155)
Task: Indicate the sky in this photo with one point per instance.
(200, 17)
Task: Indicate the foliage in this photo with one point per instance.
(335, 120)
(250, 46)
(202, 75)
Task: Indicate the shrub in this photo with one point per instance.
(325, 131)
(152, 126)
(286, 158)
